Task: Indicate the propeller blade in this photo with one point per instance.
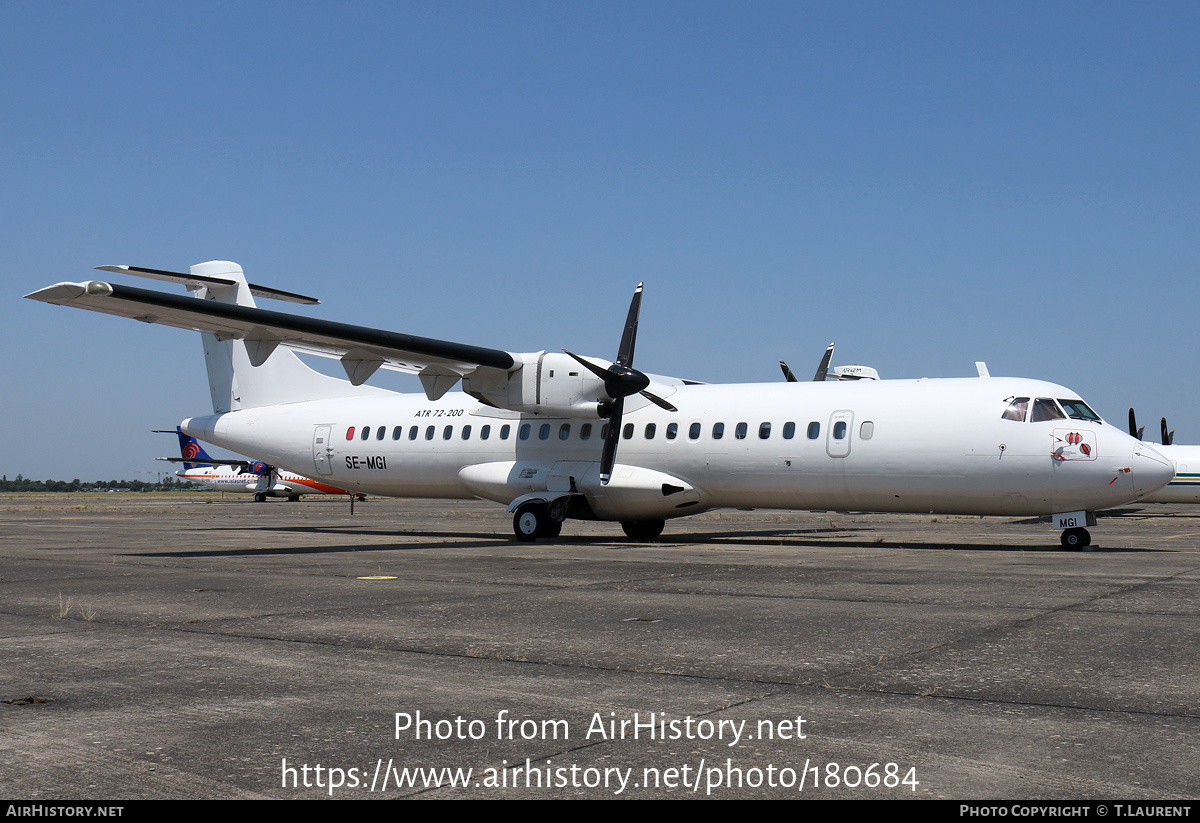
(609, 456)
(823, 369)
(1133, 429)
(629, 335)
(1168, 437)
(787, 373)
(658, 401)
(599, 371)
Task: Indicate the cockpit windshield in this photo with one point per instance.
(1017, 409)
(1078, 410)
(1044, 408)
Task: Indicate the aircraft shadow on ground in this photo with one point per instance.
(849, 538)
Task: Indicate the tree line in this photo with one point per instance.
(26, 484)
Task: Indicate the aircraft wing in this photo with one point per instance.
(263, 330)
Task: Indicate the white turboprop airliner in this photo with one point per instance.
(243, 476)
(556, 436)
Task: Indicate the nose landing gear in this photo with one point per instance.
(1076, 539)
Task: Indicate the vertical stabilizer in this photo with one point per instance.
(257, 371)
(190, 448)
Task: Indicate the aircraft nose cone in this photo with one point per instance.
(1151, 471)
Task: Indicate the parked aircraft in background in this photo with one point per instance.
(838, 372)
(243, 476)
(558, 436)
(1185, 485)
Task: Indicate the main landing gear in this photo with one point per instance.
(1076, 539)
(642, 529)
(532, 520)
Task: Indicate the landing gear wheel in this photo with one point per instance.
(1076, 539)
(292, 498)
(533, 520)
(643, 529)
(259, 497)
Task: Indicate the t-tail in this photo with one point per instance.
(256, 371)
(246, 369)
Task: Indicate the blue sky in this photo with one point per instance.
(928, 184)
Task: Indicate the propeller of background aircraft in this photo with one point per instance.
(822, 369)
(1134, 431)
(1166, 436)
(621, 380)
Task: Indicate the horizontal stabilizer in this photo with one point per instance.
(198, 280)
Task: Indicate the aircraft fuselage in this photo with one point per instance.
(938, 445)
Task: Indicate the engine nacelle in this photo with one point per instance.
(546, 383)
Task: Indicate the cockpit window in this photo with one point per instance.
(1045, 409)
(1078, 410)
(1017, 409)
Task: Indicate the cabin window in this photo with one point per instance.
(740, 431)
(694, 431)
(839, 430)
(764, 431)
(397, 432)
(544, 432)
(604, 432)
(466, 433)
(504, 431)
(1045, 409)
(564, 431)
(523, 432)
(366, 432)
(867, 430)
(585, 431)
(628, 432)
(789, 430)
(650, 428)
(447, 432)
(485, 432)
(429, 430)
(412, 433)
(382, 431)
(1016, 410)
(672, 431)
(350, 433)
(1078, 410)
(814, 430)
(718, 431)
